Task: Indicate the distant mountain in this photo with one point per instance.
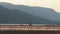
(19, 17)
(42, 12)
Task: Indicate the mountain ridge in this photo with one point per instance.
(17, 16)
(43, 12)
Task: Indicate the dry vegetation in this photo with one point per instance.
(29, 32)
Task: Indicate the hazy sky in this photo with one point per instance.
(55, 4)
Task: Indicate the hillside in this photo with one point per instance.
(17, 16)
(39, 11)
